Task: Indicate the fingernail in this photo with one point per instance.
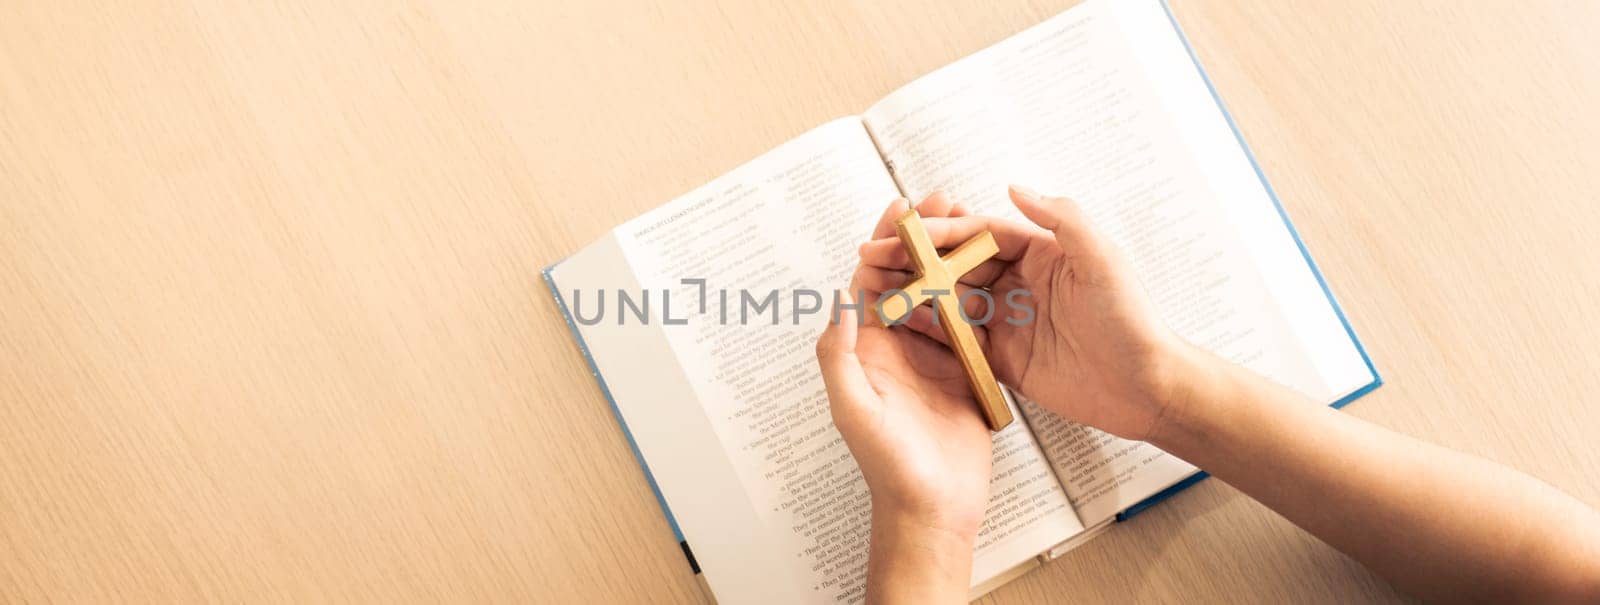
(1025, 193)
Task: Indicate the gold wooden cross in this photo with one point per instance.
(936, 274)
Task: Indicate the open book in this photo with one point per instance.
(695, 323)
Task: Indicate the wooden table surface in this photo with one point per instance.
(272, 328)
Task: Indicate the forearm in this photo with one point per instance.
(912, 562)
(1438, 523)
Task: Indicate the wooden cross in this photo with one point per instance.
(936, 274)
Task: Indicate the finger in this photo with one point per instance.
(887, 253)
(975, 303)
(1061, 217)
(921, 321)
(984, 274)
(874, 281)
(974, 311)
(849, 392)
(885, 227)
(882, 280)
(936, 205)
(959, 210)
(877, 286)
(1011, 237)
(975, 307)
(883, 275)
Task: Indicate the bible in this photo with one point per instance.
(698, 319)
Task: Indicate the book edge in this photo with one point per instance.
(605, 391)
(1372, 370)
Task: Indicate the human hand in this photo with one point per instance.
(1095, 350)
(903, 405)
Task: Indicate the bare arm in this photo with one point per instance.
(1437, 523)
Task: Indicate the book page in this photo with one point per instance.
(1103, 103)
(741, 272)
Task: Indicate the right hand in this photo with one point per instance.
(1095, 352)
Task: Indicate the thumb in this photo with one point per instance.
(849, 392)
(1062, 217)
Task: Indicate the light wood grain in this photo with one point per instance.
(271, 326)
